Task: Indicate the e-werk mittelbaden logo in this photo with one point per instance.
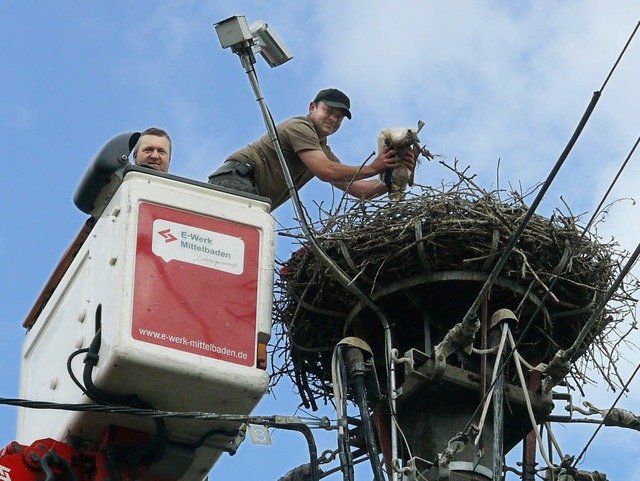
(203, 247)
(167, 235)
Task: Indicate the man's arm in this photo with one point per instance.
(334, 172)
(349, 178)
(363, 189)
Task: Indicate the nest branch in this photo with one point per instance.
(455, 229)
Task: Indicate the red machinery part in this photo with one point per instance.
(53, 459)
(49, 460)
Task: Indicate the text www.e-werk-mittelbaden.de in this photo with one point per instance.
(183, 341)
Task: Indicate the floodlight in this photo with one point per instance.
(234, 32)
(268, 44)
(245, 42)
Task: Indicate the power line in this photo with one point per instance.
(471, 313)
(155, 413)
(624, 49)
(595, 433)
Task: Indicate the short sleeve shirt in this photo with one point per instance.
(295, 134)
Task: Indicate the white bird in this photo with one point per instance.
(401, 140)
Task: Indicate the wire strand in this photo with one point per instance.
(486, 287)
(601, 424)
(624, 49)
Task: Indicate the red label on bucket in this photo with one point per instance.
(196, 284)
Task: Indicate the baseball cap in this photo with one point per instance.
(335, 98)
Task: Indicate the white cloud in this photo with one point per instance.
(494, 79)
(490, 81)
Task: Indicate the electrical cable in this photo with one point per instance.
(289, 423)
(150, 450)
(622, 52)
(311, 445)
(494, 273)
(338, 375)
(562, 266)
(596, 95)
(339, 274)
(484, 291)
(367, 426)
(515, 344)
(573, 350)
(601, 423)
(494, 375)
(572, 140)
(336, 469)
(354, 361)
(51, 458)
(322, 423)
(70, 369)
(527, 399)
(201, 440)
(565, 260)
(552, 437)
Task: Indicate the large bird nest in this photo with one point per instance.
(424, 260)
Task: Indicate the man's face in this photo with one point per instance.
(327, 120)
(153, 151)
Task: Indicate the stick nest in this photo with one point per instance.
(423, 261)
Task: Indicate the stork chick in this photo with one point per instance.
(401, 140)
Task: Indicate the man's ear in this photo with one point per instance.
(312, 107)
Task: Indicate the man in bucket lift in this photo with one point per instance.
(153, 149)
(256, 168)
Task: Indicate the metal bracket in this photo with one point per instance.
(469, 467)
(561, 396)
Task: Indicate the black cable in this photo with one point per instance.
(624, 49)
(594, 99)
(44, 465)
(485, 290)
(511, 353)
(150, 450)
(337, 272)
(90, 361)
(126, 410)
(311, 444)
(70, 369)
(212, 432)
(336, 469)
(622, 391)
(278, 422)
(573, 350)
(471, 313)
(565, 261)
(51, 458)
(367, 426)
(344, 446)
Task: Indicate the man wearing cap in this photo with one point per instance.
(256, 168)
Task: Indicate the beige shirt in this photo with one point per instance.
(295, 134)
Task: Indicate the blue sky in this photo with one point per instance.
(490, 79)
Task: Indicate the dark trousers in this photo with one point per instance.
(236, 175)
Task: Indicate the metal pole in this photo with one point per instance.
(247, 62)
(530, 441)
(498, 403)
(498, 426)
